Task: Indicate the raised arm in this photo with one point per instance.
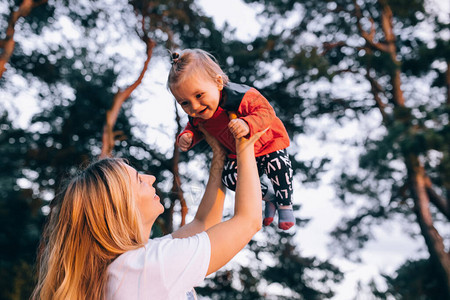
(196, 134)
(210, 209)
(229, 237)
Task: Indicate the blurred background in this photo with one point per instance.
(363, 88)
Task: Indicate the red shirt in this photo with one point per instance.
(256, 111)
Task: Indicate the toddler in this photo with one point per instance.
(204, 92)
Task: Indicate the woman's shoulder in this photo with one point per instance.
(157, 248)
(161, 238)
(162, 262)
(160, 253)
(132, 256)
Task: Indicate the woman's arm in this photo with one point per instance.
(229, 237)
(210, 209)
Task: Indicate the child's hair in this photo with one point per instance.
(190, 62)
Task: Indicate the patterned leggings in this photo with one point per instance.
(278, 168)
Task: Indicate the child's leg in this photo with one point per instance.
(270, 206)
(269, 209)
(229, 175)
(278, 168)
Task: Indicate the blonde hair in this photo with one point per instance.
(193, 62)
(94, 220)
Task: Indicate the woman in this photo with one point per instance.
(96, 245)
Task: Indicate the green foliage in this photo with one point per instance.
(77, 81)
(299, 277)
(379, 189)
(407, 11)
(413, 280)
(20, 215)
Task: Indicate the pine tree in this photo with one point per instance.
(397, 76)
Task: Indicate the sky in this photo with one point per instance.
(385, 253)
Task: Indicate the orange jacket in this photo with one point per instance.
(249, 106)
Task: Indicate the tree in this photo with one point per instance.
(375, 46)
(299, 277)
(77, 83)
(76, 90)
(413, 280)
(20, 219)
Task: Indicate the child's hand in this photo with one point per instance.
(239, 128)
(243, 143)
(185, 141)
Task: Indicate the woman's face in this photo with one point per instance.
(148, 202)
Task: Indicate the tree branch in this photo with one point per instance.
(388, 30)
(376, 89)
(328, 46)
(8, 43)
(109, 138)
(437, 200)
(369, 37)
(432, 237)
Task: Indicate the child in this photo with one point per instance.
(204, 92)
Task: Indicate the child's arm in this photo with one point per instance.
(256, 111)
(195, 137)
(237, 127)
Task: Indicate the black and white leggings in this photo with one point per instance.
(278, 168)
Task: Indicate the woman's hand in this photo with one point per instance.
(244, 143)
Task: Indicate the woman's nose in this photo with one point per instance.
(151, 178)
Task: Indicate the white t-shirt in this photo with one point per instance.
(165, 268)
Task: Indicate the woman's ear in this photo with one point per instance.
(219, 82)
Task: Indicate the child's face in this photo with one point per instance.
(199, 95)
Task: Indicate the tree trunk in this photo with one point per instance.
(388, 31)
(432, 237)
(420, 185)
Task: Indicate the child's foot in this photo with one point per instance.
(286, 217)
(269, 212)
(270, 208)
